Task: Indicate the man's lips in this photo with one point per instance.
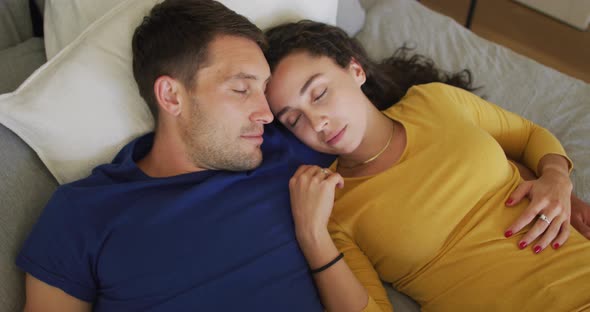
(254, 137)
(335, 138)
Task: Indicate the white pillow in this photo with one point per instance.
(82, 106)
(66, 19)
(63, 20)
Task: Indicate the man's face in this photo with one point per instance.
(222, 126)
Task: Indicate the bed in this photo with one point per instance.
(40, 144)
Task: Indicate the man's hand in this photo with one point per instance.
(581, 216)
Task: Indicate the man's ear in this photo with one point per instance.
(357, 71)
(167, 91)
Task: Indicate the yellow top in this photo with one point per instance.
(433, 224)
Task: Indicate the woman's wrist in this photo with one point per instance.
(555, 169)
(553, 163)
(317, 246)
(558, 177)
(313, 237)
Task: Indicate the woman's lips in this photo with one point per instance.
(335, 139)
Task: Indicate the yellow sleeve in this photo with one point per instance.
(521, 139)
(362, 269)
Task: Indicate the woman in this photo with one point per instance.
(418, 194)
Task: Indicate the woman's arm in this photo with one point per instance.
(339, 288)
(549, 209)
(312, 196)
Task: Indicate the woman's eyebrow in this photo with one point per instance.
(303, 89)
(308, 83)
(283, 112)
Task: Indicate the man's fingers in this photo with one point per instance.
(579, 224)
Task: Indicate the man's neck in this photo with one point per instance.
(168, 157)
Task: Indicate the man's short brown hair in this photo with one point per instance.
(174, 38)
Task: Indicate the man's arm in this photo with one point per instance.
(44, 297)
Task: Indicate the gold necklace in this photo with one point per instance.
(374, 157)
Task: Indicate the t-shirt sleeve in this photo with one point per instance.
(57, 250)
(521, 139)
(362, 268)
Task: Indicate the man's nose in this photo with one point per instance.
(262, 113)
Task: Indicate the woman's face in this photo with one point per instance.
(320, 102)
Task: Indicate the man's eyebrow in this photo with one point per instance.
(308, 83)
(242, 75)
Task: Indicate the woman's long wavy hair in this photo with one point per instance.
(386, 82)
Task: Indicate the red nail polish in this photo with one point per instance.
(508, 233)
(522, 245)
(537, 249)
(556, 245)
(508, 202)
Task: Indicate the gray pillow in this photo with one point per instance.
(15, 22)
(351, 16)
(19, 62)
(25, 187)
(40, 5)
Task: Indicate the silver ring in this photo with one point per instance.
(544, 218)
(325, 172)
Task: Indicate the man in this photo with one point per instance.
(183, 219)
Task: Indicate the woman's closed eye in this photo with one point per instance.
(240, 91)
(293, 123)
(319, 97)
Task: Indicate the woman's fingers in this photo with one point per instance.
(522, 190)
(527, 216)
(550, 226)
(335, 179)
(539, 227)
(553, 233)
(564, 233)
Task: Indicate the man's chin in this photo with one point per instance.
(255, 161)
(248, 162)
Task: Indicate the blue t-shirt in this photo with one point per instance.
(202, 241)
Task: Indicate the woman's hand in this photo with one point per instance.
(550, 197)
(312, 197)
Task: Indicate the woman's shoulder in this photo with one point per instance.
(436, 90)
(424, 98)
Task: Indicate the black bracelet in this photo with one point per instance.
(331, 263)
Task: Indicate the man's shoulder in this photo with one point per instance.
(281, 142)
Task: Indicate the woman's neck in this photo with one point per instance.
(381, 147)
